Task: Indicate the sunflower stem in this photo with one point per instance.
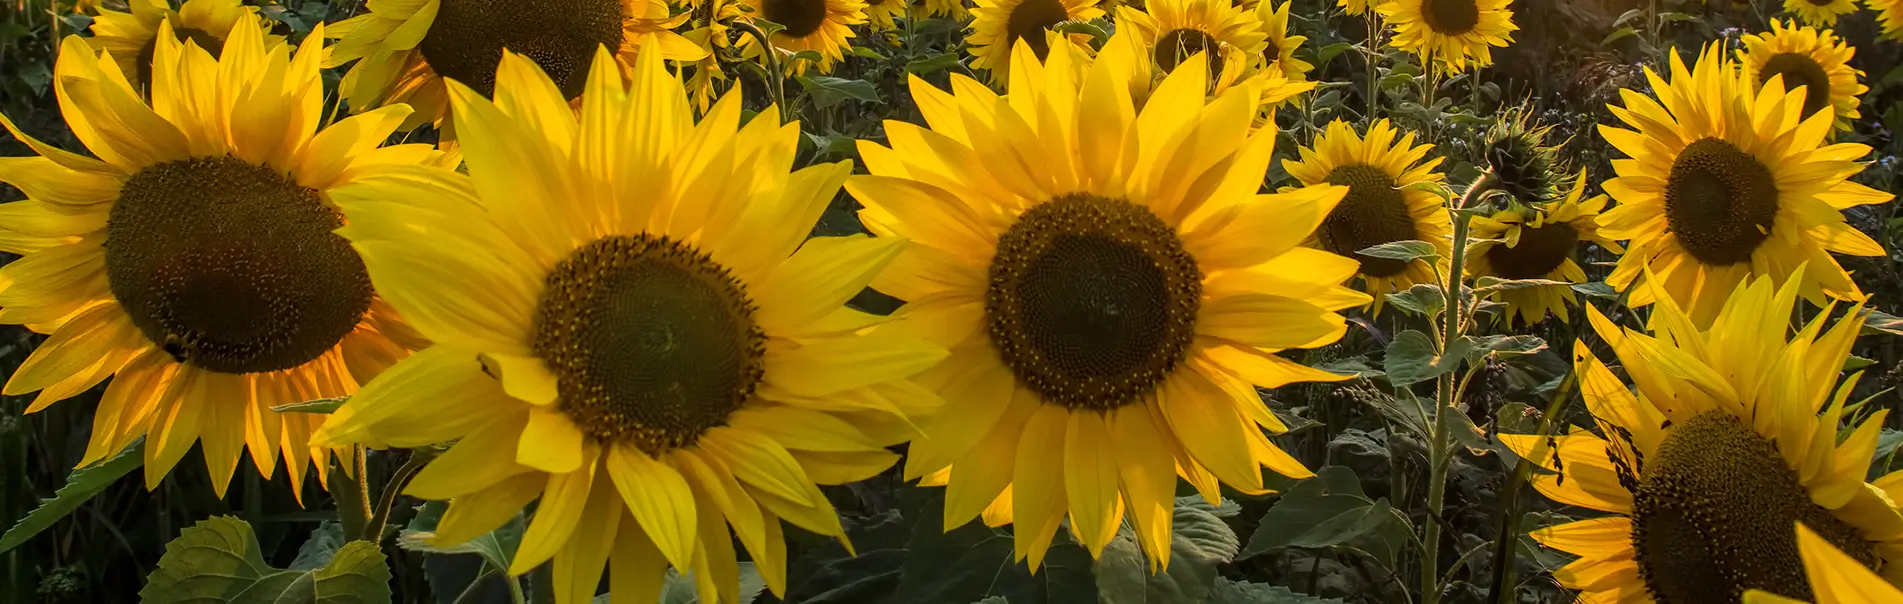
(352, 491)
(1503, 555)
(1374, 54)
(373, 531)
(777, 87)
(1439, 453)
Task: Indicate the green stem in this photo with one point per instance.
(373, 531)
(1510, 497)
(1374, 54)
(352, 493)
(1439, 451)
(777, 87)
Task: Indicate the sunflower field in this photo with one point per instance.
(951, 301)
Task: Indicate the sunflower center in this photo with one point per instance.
(1092, 301)
(650, 340)
(465, 42)
(1178, 45)
(1799, 70)
(1712, 517)
(1720, 202)
(202, 38)
(1540, 251)
(1028, 22)
(231, 267)
(1450, 17)
(1372, 213)
(1822, 2)
(1271, 53)
(801, 17)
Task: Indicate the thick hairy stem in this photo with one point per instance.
(1503, 553)
(1439, 451)
(771, 55)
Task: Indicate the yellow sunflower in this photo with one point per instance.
(1724, 181)
(132, 37)
(1108, 292)
(1889, 16)
(883, 14)
(1278, 52)
(822, 26)
(405, 50)
(997, 25)
(1136, 64)
(1537, 242)
(631, 324)
(1820, 13)
(1817, 60)
(950, 9)
(1385, 202)
(1228, 37)
(194, 258)
(1722, 450)
(1454, 33)
(1359, 7)
(1835, 577)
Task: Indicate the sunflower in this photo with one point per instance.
(631, 324)
(194, 258)
(1385, 202)
(1723, 449)
(1359, 7)
(1726, 181)
(1820, 13)
(997, 25)
(950, 9)
(405, 50)
(884, 14)
(1278, 52)
(1228, 37)
(1537, 242)
(132, 37)
(1109, 295)
(822, 26)
(1817, 60)
(1889, 16)
(1455, 33)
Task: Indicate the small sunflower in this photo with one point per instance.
(1835, 577)
(1138, 69)
(1724, 182)
(884, 14)
(1527, 241)
(822, 26)
(132, 37)
(404, 51)
(194, 259)
(1820, 13)
(1889, 17)
(1279, 50)
(1453, 33)
(1108, 297)
(1721, 452)
(1227, 36)
(1358, 7)
(1817, 60)
(949, 9)
(630, 323)
(1383, 205)
(997, 25)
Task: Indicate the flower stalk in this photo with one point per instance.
(1440, 450)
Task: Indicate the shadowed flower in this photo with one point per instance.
(1537, 241)
(1385, 203)
(1817, 60)
(132, 37)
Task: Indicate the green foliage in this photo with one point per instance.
(219, 560)
(81, 486)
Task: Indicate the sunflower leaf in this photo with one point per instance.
(1412, 358)
(219, 559)
(1304, 508)
(933, 64)
(496, 547)
(1488, 284)
(1200, 541)
(1083, 27)
(1597, 289)
(322, 405)
(1882, 322)
(1411, 249)
(829, 91)
(81, 486)
(1226, 591)
(1422, 300)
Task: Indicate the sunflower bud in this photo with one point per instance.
(1517, 155)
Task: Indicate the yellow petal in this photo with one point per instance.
(1836, 578)
(1090, 480)
(476, 514)
(579, 562)
(555, 517)
(551, 442)
(658, 497)
(485, 457)
(1038, 498)
(819, 278)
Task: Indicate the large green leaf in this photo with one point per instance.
(974, 561)
(828, 91)
(1411, 249)
(81, 486)
(496, 547)
(1243, 592)
(1200, 541)
(1317, 512)
(1411, 358)
(218, 560)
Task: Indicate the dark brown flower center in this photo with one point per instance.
(1178, 45)
(1374, 212)
(1028, 21)
(800, 17)
(1714, 515)
(231, 267)
(1092, 301)
(465, 42)
(1720, 202)
(651, 341)
(1799, 70)
(1540, 251)
(1450, 17)
(212, 44)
